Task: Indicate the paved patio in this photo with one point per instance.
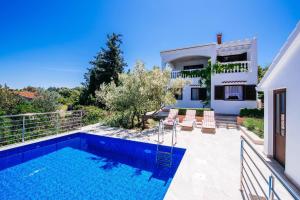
(210, 167)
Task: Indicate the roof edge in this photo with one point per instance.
(189, 47)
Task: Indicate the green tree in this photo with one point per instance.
(106, 66)
(68, 96)
(46, 101)
(261, 72)
(138, 93)
(8, 100)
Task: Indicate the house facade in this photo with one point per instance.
(282, 111)
(231, 89)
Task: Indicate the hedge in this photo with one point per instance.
(256, 113)
(199, 111)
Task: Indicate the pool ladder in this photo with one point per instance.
(163, 153)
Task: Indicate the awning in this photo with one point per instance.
(234, 82)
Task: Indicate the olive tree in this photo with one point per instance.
(139, 92)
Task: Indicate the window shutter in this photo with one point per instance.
(219, 92)
(250, 92)
(202, 93)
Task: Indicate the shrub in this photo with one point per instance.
(199, 111)
(256, 113)
(92, 114)
(255, 125)
(119, 119)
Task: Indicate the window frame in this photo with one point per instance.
(234, 99)
(199, 97)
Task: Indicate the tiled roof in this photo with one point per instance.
(27, 95)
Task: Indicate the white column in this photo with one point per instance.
(268, 122)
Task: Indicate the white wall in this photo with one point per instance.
(231, 107)
(204, 50)
(286, 74)
(186, 101)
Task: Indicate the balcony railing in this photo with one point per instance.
(181, 74)
(258, 180)
(229, 67)
(236, 67)
(24, 127)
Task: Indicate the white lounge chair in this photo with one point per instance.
(169, 121)
(189, 120)
(209, 123)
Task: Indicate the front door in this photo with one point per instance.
(279, 125)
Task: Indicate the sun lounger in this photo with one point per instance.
(189, 121)
(209, 123)
(169, 121)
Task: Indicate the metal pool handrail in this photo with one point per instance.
(270, 181)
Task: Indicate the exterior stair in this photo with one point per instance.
(226, 121)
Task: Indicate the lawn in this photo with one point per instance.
(255, 125)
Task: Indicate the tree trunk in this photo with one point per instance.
(143, 121)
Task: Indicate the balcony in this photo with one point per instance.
(230, 67)
(185, 74)
(235, 67)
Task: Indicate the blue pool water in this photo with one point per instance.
(85, 166)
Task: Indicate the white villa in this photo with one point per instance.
(231, 90)
(282, 110)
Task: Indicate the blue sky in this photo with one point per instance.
(49, 43)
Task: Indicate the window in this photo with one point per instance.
(178, 96)
(198, 93)
(200, 66)
(234, 92)
(232, 58)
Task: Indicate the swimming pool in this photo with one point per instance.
(85, 166)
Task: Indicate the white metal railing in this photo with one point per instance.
(24, 127)
(235, 67)
(258, 180)
(180, 74)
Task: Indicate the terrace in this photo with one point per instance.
(210, 168)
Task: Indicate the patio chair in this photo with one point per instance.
(209, 123)
(169, 121)
(189, 120)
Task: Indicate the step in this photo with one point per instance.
(225, 118)
(164, 158)
(224, 125)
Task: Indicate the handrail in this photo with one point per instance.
(23, 127)
(174, 132)
(44, 113)
(236, 62)
(289, 189)
(160, 131)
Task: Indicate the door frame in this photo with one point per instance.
(276, 91)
